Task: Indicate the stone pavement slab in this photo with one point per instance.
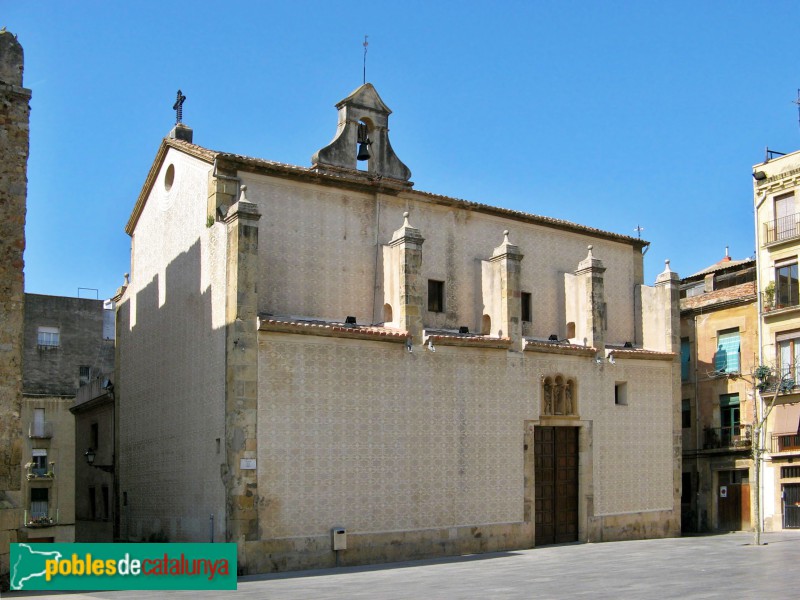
(720, 566)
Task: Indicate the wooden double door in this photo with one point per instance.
(556, 484)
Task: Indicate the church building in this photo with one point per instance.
(330, 367)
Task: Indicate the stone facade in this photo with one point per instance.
(776, 196)
(718, 396)
(308, 349)
(14, 137)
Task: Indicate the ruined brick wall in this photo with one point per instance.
(14, 114)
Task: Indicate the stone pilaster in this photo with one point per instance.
(223, 187)
(407, 242)
(241, 382)
(14, 116)
(507, 258)
(667, 292)
(667, 286)
(591, 297)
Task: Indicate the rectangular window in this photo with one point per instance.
(726, 359)
(94, 436)
(785, 221)
(686, 414)
(790, 472)
(38, 423)
(39, 460)
(435, 295)
(685, 359)
(92, 504)
(729, 418)
(686, 488)
(84, 374)
(39, 497)
(106, 509)
(787, 285)
(788, 350)
(621, 393)
(47, 337)
(526, 306)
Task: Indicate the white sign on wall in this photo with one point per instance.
(247, 464)
(723, 491)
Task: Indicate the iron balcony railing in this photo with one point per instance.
(40, 430)
(784, 228)
(785, 442)
(771, 302)
(735, 437)
(34, 518)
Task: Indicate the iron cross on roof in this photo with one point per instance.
(178, 107)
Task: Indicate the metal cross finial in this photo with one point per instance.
(639, 229)
(366, 43)
(178, 107)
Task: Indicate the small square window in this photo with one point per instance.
(621, 393)
(435, 295)
(47, 337)
(526, 306)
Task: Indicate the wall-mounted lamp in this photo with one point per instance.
(90, 455)
(611, 359)
(759, 176)
(430, 346)
(598, 360)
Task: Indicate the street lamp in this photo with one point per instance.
(90, 455)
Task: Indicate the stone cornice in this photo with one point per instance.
(557, 348)
(470, 341)
(639, 354)
(325, 329)
(357, 181)
(15, 90)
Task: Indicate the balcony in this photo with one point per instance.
(40, 473)
(40, 430)
(37, 519)
(785, 442)
(781, 230)
(737, 437)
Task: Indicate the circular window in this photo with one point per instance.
(169, 177)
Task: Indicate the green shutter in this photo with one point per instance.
(727, 357)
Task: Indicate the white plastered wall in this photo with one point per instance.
(172, 369)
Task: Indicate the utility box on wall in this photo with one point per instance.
(339, 535)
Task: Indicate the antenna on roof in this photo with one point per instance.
(366, 43)
(639, 229)
(798, 105)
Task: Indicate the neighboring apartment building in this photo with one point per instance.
(14, 116)
(719, 350)
(327, 366)
(777, 208)
(67, 344)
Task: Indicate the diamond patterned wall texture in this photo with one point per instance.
(367, 436)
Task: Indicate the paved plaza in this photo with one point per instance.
(720, 566)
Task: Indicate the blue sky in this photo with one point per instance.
(608, 114)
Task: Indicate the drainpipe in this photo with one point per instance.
(697, 426)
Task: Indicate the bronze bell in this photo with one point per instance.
(363, 150)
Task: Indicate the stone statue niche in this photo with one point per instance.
(558, 396)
